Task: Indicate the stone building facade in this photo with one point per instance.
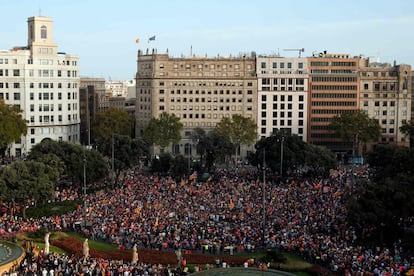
(198, 90)
(386, 96)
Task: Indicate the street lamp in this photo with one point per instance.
(112, 159)
(281, 155)
(189, 158)
(264, 196)
(84, 183)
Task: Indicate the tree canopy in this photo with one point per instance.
(69, 159)
(163, 130)
(12, 125)
(407, 128)
(109, 122)
(356, 127)
(126, 152)
(292, 155)
(384, 201)
(239, 130)
(27, 180)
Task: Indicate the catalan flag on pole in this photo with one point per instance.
(152, 38)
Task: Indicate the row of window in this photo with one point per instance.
(40, 73)
(282, 122)
(208, 100)
(282, 72)
(334, 87)
(283, 106)
(333, 63)
(283, 81)
(388, 112)
(47, 107)
(209, 92)
(283, 98)
(282, 114)
(208, 107)
(331, 71)
(45, 85)
(275, 130)
(331, 103)
(201, 66)
(220, 108)
(281, 65)
(49, 95)
(50, 118)
(41, 96)
(200, 84)
(333, 79)
(335, 95)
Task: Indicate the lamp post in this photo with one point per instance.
(281, 155)
(189, 158)
(264, 197)
(84, 183)
(112, 159)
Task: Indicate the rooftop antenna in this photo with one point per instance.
(298, 50)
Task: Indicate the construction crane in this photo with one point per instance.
(297, 50)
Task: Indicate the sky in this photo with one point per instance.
(103, 33)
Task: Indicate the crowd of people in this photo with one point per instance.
(226, 213)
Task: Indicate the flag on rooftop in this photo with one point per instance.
(152, 38)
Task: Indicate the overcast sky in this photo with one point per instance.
(103, 33)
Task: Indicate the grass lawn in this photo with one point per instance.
(93, 244)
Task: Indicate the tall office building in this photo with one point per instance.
(386, 96)
(199, 90)
(333, 90)
(44, 83)
(282, 95)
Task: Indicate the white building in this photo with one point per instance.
(45, 84)
(282, 95)
(120, 88)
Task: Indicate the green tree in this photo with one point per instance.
(24, 180)
(12, 125)
(111, 122)
(356, 127)
(384, 201)
(69, 159)
(127, 153)
(218, 148)
(162, 164)
(239, 130)
(163, 130)
(179, 166)
(289, 154)
(407, 128)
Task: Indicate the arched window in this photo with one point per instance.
(187, 149)
(176, 149)
(43, 32)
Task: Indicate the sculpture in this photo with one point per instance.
(134, 255)
(47, 244)
(86, 249)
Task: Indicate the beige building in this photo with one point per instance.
(386, 96)
(198, 90)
